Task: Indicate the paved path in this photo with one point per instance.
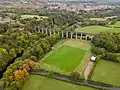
(69, 79)
(88, 70)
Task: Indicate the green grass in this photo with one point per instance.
(49, 67)
(32, 16)
(102, 19)
(97, 29)
(98, 19)
(107, 72)
(117, 24)
(85, 45)
(36, 82)
(79, 44)
(66, 58)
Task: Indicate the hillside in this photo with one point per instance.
(99, 1)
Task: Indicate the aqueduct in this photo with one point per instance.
(66, 34)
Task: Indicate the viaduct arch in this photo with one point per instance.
(66, 34)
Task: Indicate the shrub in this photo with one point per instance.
(111, 57)
(98, 51)
(76, 76)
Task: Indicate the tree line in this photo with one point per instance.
(31, 45)
(108, 46)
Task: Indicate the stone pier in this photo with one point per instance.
(76, 36)
(66, 34)
(50, 32)
(62, 34)
(58, 33)
(81, 36)
(71, 35)
(54, 32)
(46, 31)
(42, 31)
(86, 36)
(38, 29)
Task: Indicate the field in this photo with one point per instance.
(97, 29)
(117, 24)
(32, 16)
(65, 55)
(20, 5)
(107, 72)
(102, 19)
(69, 56)
(36, 82)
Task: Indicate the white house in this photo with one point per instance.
(93, 58)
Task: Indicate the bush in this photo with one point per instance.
(1, 84)
(53, 39)
(50, 73)
(111, 57)
(98, 51)
(76, 76)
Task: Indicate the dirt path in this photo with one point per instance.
(88, 70)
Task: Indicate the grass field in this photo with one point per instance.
(32, 16)
(85, 45)
(36, 82)
(20, 5)
(117, 24)
(66, 58)
(102, 19)
(107, 72)
(97, 29)
(98, 19)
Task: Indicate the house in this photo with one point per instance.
(93, 58)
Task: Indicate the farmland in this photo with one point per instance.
(36, 82)
(107, 72)
(32, 16)
(97, 29)
(102, 19)
(116, 24)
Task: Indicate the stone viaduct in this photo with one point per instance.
(66, 34)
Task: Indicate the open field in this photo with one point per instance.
(85, 45)
(11, 14)
(98, 19)
(32, 16)
(76, 53)
(102, 19)
(97, 29)
(107, 72)
(117, 24)
(65, 55)
(36, 82)
(20, 5)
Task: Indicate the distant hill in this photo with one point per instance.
(15, 1)
(99, 1)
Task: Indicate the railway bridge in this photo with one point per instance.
(66, 34)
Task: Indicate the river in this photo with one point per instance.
(10, 62)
